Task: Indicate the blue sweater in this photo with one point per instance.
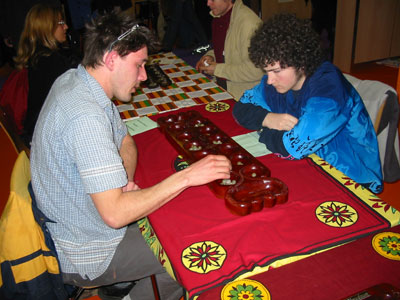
(333, 123)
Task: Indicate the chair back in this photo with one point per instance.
(8, 155)
(29, 268)
(381, 102)
(11, 131)
(398, 83)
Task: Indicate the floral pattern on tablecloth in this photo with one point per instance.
(203, 257)
(387, 244)
(245, 289)
(336, 214)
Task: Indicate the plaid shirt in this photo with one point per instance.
(75, 152)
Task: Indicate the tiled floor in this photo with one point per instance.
(374, 71)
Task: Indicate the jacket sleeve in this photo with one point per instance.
(210, 53)
(252, 108)
(272, 138)
(321, 121)
(243, 70)
(249, 115)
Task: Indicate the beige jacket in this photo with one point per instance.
(240, 72)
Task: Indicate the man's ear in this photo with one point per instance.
(109, 59)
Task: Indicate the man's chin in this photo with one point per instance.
(280, 90)
(215, 13)
(126, 99)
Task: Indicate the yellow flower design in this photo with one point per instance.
(203, 257)
(336, 214)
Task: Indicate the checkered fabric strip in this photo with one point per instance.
(172, 70)
(142, 104)
(190, 72)
(156, 94)
(202, 80)
(179, 97)
(128, 114)
(166, 106)
(215, 90)
(192, 88)
(188, 88)
(203, 100)
(180, 78)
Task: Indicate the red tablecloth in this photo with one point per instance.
(335, 274)
(208, 246)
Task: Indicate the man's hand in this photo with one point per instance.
(118, 208)
(279, 121)
(204, 62)
(209, 168)
(131, 186)
(210, 69)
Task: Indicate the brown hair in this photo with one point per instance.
(40, 24)
(103, 32)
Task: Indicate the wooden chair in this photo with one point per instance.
(8, 155)
(11, 146)
(19, 200)
(22, 243)
(398, 83)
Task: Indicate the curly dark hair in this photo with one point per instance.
(289, 41)
(103, 32)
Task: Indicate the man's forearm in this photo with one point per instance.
(128, 154)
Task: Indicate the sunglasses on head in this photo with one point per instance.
(122, 36)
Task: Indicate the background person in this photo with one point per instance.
(183, 22)
(12, 18)
(232, 28)
(304, 104)
(41, 50)
(83, 163)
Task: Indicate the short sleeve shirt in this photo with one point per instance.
(75, 152)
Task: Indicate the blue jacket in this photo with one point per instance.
(333, 123)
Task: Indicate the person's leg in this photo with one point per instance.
(132, 261)
(167, 287)
(173, 24)
(186, 38)
(191, 16)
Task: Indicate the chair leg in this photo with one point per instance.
(77, 294)
(80, 290)
(155, 287)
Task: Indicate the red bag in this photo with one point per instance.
(14, 97)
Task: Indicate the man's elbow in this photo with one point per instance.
(112, 221)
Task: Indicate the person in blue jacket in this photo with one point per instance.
(304, 105)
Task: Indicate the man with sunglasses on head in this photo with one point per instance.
(83, 164)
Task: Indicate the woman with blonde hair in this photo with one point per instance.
(42, 50)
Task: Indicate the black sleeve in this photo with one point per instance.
(249, 115)
(40, 78)
(272, 138)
